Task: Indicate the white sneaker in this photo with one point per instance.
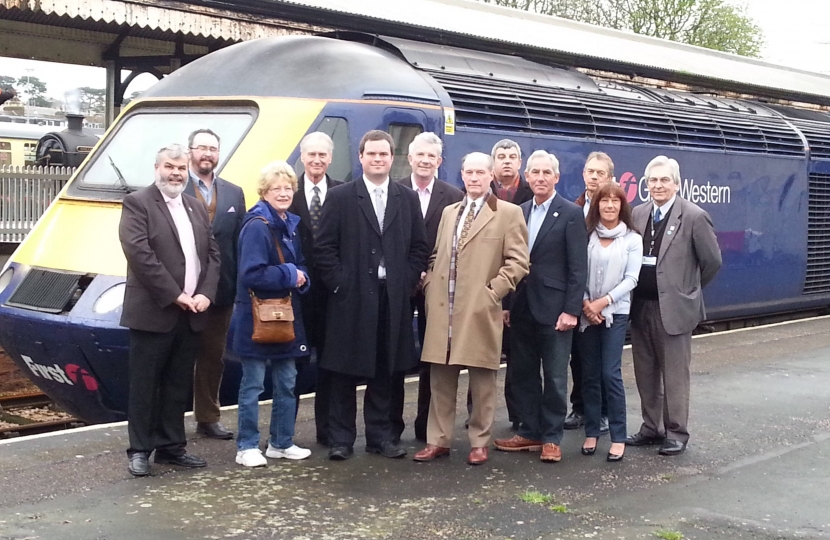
(252, 457)
(292, 452)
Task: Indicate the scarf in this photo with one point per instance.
(605, 273)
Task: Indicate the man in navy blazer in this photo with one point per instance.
(544, 311)
(172, 272)
(225, 203)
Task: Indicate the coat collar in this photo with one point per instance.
(393, 203)
(673, 224)
(484, 216)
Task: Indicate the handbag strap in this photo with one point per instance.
(279, 252)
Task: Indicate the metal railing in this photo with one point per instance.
(25, 194)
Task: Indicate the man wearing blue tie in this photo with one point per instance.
(544, 311)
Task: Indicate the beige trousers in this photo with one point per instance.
(442, 404)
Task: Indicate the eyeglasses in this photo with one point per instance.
(206, 149)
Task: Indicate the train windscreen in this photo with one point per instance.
(125, 161)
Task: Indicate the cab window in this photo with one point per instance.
(341, 159)
(402, 134)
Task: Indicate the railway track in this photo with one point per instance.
(30, 414)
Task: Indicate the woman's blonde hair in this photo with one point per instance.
(272, 173)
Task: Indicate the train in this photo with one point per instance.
(18, 143)
(761, 170)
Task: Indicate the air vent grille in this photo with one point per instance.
(818, 236)
(44, 290)
(486, 103)
(818, 137)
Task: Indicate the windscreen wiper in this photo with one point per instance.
(121, 181)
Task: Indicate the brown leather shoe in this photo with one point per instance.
(517, 443)
(431, 452)
(551, 452)
(478, 456)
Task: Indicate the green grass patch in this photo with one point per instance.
(560, 508)
(536, 497)
(666, 534)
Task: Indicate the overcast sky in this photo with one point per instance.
(794, 30)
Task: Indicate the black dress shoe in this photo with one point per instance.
(613, 458)
(387, 449)
(574, 420)
(588, 451)
(139, 465)
(603, 425)
(672, 447)
(185, 460)
(340, 452)
(638, 439)
(214, 430)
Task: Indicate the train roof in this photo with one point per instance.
(482, 26)
(24, 131)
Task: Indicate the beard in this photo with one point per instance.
(169, 189)
(205, 166)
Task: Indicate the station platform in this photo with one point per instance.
(758, 466)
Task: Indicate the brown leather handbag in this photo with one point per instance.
(274, 317)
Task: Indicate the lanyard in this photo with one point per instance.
(651, 222)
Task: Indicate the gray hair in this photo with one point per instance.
(672, 164)
(316, 137)
(173, 151)
(602, 156)
(427, 137)
(541, 154)
(506, 144)
(488, 159)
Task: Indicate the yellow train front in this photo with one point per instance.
(62, 290)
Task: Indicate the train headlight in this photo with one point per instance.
(110, 300)
(6, 278)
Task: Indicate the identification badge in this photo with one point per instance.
(649, 260)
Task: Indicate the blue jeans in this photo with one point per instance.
(283, 408)
(601, 349)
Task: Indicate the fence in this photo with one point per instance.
(25, 194)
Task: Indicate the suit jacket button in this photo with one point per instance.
(374, 251)
(441, 304)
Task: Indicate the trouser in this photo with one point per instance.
(442, 405)
(160, 372)
(602, 349)
(377, 400)
(509, 391)
(542, 402)
(662, 364)
(283, 403)
(577, 403)
(207, 377)
(399, 391)
(308, 371)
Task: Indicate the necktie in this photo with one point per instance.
(380, 207)
(468, 222)
(657, 216)
(314, 210)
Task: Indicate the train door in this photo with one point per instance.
(404, 125)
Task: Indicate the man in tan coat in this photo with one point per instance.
(480, 256)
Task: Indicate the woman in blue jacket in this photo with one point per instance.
(261, 272)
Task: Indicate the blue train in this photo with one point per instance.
(761, 170)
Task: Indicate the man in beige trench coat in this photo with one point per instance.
(480, 256)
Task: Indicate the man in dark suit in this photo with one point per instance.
(370, 253)
(680, 257)
(316, 151)
(544, 311)
(598, 170)
(172, 274)
(509, 186)
(434, 195)
(225, 203)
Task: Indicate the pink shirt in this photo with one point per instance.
(192, 266)
(424, 194)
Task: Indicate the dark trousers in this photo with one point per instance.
(399, 391)
(662, 369)
(577, 402)
(308, 372)
(509, 391)
(602, 349)
(377, 400)
(542, 402)
(161, 374)
(207, 377)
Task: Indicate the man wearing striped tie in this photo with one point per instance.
(480, 256)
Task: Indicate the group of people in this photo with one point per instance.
(506, 267)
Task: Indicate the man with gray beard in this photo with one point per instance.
(172, 274)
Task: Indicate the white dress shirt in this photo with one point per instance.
(384, 187)
(587, 206)
(192, 266)
(663, 209)
(479, 203)
(536, 217)
(423, 194)
(308, 188)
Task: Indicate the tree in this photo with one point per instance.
(33, 89)
(7, 82)
(131, 97)
(92, 99)
(714, 24)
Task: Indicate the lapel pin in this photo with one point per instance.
(556, 214)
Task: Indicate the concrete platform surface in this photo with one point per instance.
(758, 467)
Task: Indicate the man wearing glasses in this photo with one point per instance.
(225, 203)
(680, 257)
